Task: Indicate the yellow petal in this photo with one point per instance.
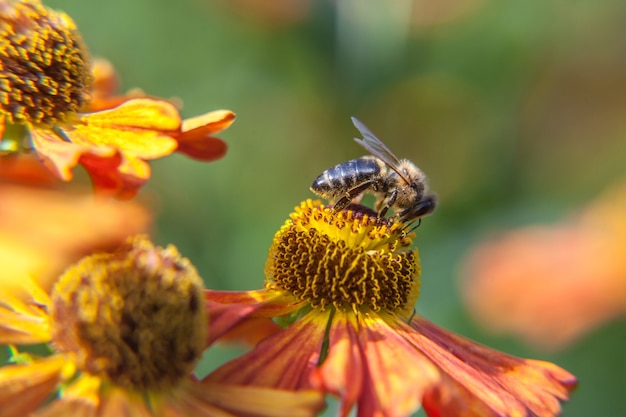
(23, 319)
(17, 328)
(257, 401)
(140, 127)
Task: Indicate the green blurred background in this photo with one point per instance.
(516, 110)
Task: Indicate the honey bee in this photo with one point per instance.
(397, 183)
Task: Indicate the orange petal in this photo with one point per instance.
(62, 407)
(24, 387)
(284, 360)
(196, 140)
(138, 127)
(121, 403)
(396, 374)
(229, 309)
(202, 148)
(251, 331)
(485, 378)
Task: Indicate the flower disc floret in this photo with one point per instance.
(351, 260)
(135, 316)
(44, 65)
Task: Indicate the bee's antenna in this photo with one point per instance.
(419, 222)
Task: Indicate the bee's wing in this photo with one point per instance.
(377, 148)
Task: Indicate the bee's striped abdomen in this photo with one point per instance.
(336, 181)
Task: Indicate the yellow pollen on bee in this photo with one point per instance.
(348, 260)
(44, 65)
(134, 316)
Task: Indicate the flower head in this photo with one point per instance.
(343, 286)
(126, 329)
(46, 85)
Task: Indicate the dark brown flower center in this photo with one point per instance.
(135, 316)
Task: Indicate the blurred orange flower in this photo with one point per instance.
(47, 84)
(43, 230)
(552, 284)
(342, 286)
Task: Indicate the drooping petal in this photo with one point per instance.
(24, 387)
(487, 379)
(229, 309)
(196, 139)
(61, 157)
(284, 360)
(342, 371)
(110, 178)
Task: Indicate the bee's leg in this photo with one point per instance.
(388, 201)
(344, 201)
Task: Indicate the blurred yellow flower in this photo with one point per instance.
(343, 285)
(126, 329)
(45, 85)
(552, 284)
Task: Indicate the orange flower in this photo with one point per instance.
(343, 286)
(552, 284)
(47, 82)
(125, 329)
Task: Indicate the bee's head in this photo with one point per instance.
(421, 208)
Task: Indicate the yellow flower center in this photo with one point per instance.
(135, 316)
(350, 260)
(44, 66)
